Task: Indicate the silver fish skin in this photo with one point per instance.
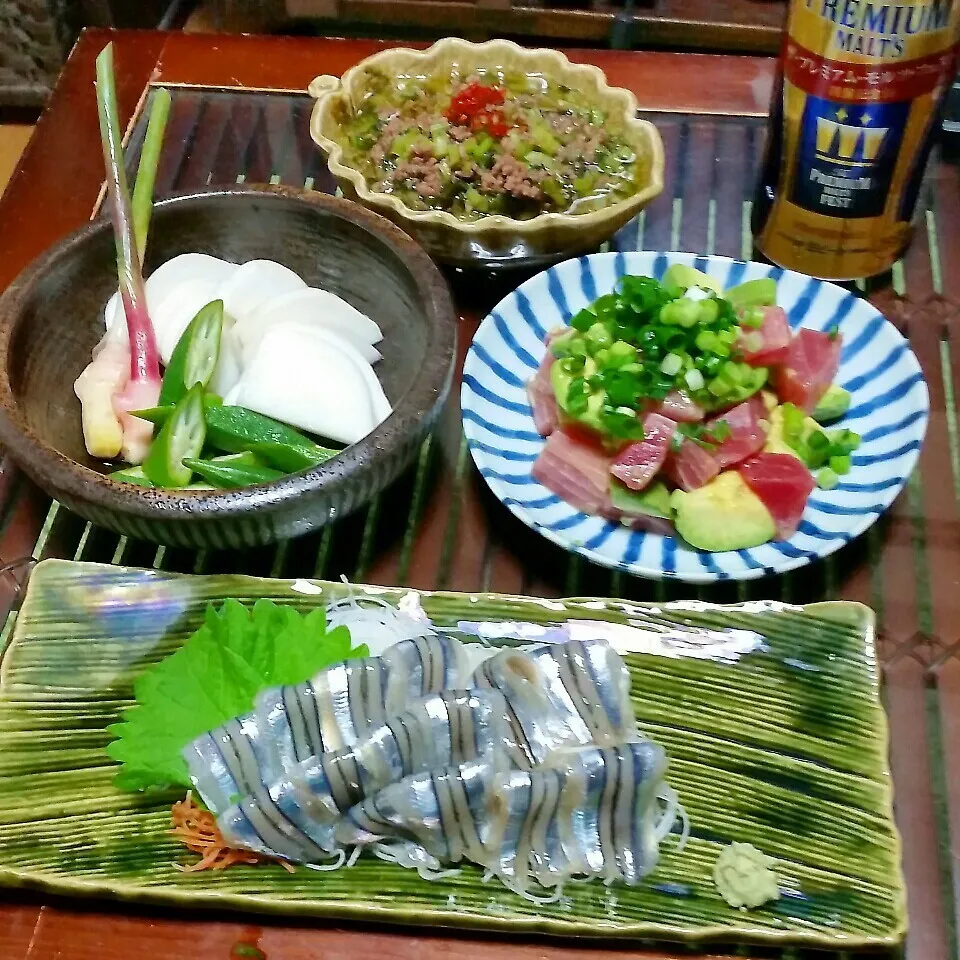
(445, 813)
(610, 813)
(334, 710)
(564, 694)
(594, 813)
(445, 729)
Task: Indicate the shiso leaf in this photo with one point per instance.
(214, 676)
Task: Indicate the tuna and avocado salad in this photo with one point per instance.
(677, 407)
(516, 145)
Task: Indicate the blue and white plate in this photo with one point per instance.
(889, 410)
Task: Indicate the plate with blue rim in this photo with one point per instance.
(889, 409)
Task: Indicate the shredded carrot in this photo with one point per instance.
(197, 829)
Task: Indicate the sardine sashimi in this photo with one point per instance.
(443, 816)
(585, 681)
(334, 710)
(443, 730)
(595, 813)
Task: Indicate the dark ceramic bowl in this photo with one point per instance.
(52, 316)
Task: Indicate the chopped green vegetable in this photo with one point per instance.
(654, 500)
(827, 479)
(235, 429)
(214, 676)
(181, 437)
(131, 475)
(194, 358)
(160, 415)
(233, 471)
(744, 877)
(840, 465)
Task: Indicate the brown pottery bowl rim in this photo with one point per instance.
(429, 389)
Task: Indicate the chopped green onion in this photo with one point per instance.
(752, 317)
(827, 479)
(672, 364)
(840, 465)
(709, 310)
(694, 379)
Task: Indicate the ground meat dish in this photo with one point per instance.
(479, 145)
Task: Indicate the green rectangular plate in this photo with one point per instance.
(784, 747)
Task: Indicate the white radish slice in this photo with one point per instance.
(301, 380)
(315, 307)
(251, 332)
(164, 280)
(188, 266)
(381, 405)
(253, 284)
(174, 314)
(226, 375)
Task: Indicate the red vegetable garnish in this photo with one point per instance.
(493, 121)
(473, 107)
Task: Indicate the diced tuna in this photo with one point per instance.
(809, 368)
(746, 436)
(692, 466)
(783, 483)
(574, 471)
(768, 344)
(639, 463)
(677, 406)
(543, 401)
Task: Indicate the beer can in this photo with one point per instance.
(854, 116)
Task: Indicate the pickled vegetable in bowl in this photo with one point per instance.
(487, 143)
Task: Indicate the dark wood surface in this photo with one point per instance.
(440, 527)
(744, 26)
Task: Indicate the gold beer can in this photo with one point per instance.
(856, 107)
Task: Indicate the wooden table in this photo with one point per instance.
(440, 527)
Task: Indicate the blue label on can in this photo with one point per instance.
(847, 155)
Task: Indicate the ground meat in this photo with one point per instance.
(583, 147)
(563, 123)
(393, 128)
(426, 120)
(387, 112)
(424, 174)
(459, 133)
(377, 153)
(510, 175)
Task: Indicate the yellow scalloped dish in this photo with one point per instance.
(489, 151)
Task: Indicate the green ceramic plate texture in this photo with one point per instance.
(784, 747)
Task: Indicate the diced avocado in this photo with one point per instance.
(770, 401)
(560, 380)
(753, 293)
(680, 276)
(833, 405)
(654, 500)
(775, 439)
(753, 381)
(723, 515)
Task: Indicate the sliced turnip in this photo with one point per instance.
(308, 382)
(317, 308)
(255, 283)
(164, 281)
(226, 376)
(173, 315)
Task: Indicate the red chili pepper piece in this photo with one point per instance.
(473, 99)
